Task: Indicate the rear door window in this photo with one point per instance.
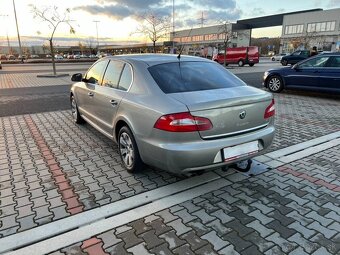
(112, 74)
(334, 62)
(192, 76)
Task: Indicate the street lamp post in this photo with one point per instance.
(173, 26)
(16, 21)
(96, 21)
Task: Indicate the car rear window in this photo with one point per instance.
(192, 76)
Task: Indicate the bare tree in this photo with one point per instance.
(90, 44)
(304, 39)
(154, 27)
(225, 33)
(82, 47)
(52, 16)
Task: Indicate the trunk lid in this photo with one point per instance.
(232, 111)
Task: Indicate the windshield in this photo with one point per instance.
(193, 76)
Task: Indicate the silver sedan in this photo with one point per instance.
(179, 114)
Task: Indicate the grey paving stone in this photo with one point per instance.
(263, 230)
(208, 207)
(59, 212)
(202, 214)
(172, 239)
(159, 226)
(328, 233)
(139, 226)
(261, 217)
(262, 244)
(130, 239)
(298, 251)
(222, 216)
(167, 216)
(185, 216)
(228, 198)
(26, 223)
(284, 220)
(333, 246)
(262, 207)
(321, 251)
(308, 246)
(239, 243)
(184, 249)
(242, 217)
(179, 227)
(123, 229)
(198, 227)
(206, 250)
(322, 220)
(285, 245)
(229, 250)
(162, 249)
(193, 240)
(139, 250)
(151, 239)
(215, 240)
(109, 238)
(150, 218)
(73, 250)
(306, 232)
(118, 249)
(301, 209)
(252, 250)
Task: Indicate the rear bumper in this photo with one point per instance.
(200, 155)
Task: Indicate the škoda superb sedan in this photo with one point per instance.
(176, 113)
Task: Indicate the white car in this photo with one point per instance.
(278, 57)
(58, 57)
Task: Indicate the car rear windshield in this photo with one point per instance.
(192, 76)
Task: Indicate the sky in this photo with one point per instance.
(118, 20)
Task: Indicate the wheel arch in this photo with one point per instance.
(275, 74)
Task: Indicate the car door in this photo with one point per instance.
(87, 92)
(330, 74)
(116, 81)
(306, 73)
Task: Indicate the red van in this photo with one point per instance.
(239, 55)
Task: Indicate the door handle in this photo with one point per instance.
(113, 102)
(90, 94)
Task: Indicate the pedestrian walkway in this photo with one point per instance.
(23, 80)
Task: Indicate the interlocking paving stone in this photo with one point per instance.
(172, 239)
(215, 240)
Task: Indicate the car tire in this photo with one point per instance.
(275, 84)
(75, 112)
(128, 150)
(273, 59)
(251, 64)
(284, 62)
(240, 63)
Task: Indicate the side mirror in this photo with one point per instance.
(77, 77)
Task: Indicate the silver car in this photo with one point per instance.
(176, 113)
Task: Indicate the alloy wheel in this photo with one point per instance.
(126, 149)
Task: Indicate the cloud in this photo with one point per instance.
(220, 4)
(113, 11)
(144, 4)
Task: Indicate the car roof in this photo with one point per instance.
(330, 54)
(155, 59)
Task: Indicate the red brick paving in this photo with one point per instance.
(73, 205)
(93, 246)
(309, 178)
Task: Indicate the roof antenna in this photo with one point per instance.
(182, 48)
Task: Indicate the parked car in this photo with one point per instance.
(278, 57)
(48, 56)
(76, 56)
(239, 55)
(171, 113)
(295, 57)
(57, 56)
(10, 57)
(320, 73)
(93, 56)
(3, 57)
(0, 65)
(35, 56)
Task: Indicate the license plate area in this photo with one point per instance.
(241, 150)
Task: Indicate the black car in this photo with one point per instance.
(295, 57)
(319, 73)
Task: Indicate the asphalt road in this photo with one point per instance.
(53, 98)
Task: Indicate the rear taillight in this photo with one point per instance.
(182, 122)
(270, 110)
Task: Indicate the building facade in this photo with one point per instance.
(320, 29)
(205, 40)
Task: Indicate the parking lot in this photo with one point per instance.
(64, 191)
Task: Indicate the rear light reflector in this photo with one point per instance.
(182, 122)
(270, 110)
